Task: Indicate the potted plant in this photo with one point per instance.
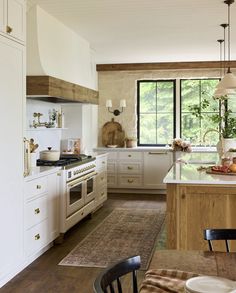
(225, 121)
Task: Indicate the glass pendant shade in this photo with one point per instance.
(219, 92)
(227, 82)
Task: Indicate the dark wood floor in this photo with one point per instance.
(45, 275)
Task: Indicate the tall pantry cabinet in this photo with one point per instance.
(12, 96)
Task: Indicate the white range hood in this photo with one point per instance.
(58, 56)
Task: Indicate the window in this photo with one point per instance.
(195, 92)
(156, 112)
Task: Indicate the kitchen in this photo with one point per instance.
(74, 64)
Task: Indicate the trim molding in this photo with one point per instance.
(163, 66)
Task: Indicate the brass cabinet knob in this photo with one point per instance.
(37, 211)
(38, 186)
(130, 168)
(129, 156)
(9, 29)
(130, 180)
(37, 237)
(102, 193)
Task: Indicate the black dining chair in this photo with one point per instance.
(110, 277)
(219, 234)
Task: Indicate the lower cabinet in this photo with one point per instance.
(41, 213)
(101, 179)
(137, 169)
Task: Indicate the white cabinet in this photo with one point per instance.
(156, 166)
(12, 93)
(12, 19)
(130, 169)
(41, 212)
(101, 179)
(137, 169)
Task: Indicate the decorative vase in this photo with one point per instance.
(177, 155)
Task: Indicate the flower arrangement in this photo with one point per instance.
(179, 144)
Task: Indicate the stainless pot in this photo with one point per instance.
(50, 155)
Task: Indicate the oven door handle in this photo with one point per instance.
(90, 175)
(75, 182)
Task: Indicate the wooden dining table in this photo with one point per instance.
(220, 264)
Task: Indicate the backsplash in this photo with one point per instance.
(45, 137)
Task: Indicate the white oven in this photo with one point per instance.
(79, 192)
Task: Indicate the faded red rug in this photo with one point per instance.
(124, 233)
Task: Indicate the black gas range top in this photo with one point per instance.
(66, 160)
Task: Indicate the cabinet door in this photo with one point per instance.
(12, 82)
(53, 206)
(156, 166)
(3, 13)
(15, 19)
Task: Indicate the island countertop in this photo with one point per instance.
(185, 171)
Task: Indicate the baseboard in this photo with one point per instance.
(138, 191)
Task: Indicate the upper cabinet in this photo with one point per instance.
(12, 19)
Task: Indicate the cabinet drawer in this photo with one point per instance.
(112, 156)
(111, 167)
(101, 163)
(36, 187)
(102, 195)
(88, 208)
(130, 155)
(130, 181)
(102, 178)
(111, 180)
(36, 237)
(130, 168)
(35, 211)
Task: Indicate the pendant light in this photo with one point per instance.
(219, 92)
(229, 80)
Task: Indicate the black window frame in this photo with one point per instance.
(138, 109)
(180, 98)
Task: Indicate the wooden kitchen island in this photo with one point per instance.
(197, 201)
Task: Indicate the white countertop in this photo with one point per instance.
(185, 171)
(147, 149)
(36, 172)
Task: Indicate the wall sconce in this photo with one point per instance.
(115, 112)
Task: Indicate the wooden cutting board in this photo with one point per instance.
(112, 134)
(209, 171)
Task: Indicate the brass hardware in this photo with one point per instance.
(129, 156)
(158, 153)
(9, 29)
(103, 162)
(102, 178)
(38, 186)
(130, 168)
(183, 196)
(58, 173)
(130, 180)
(102, 193)
(37, 237)
(37, 211)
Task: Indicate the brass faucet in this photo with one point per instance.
(220, 144)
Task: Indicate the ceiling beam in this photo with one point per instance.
(163, 66)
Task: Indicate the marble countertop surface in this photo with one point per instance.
(147, 149)
(185, 171)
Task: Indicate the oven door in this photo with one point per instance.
(75, 196)
(90, 187)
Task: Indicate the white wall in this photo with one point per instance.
(54, 49)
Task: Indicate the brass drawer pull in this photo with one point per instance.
(102, 193)
(158, 153)
(37, 237)
(130, 168)
(9, 29)
(103, 162)
(129, 156)
(38, 186)
(37, 211)
(130, 180)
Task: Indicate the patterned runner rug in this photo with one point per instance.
(124, 233)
